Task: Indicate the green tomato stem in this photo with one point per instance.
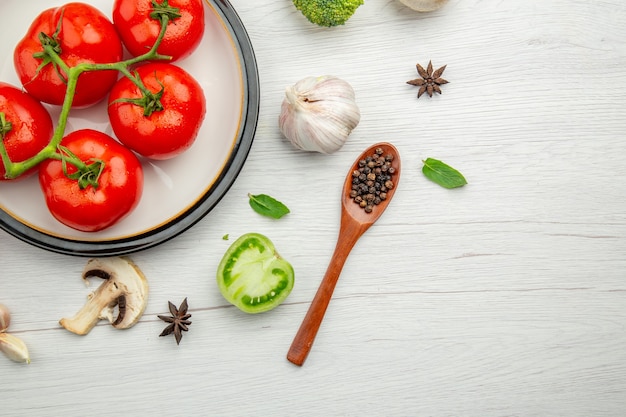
(5, 127)
(15, 169)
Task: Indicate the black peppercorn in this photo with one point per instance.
(372, 180)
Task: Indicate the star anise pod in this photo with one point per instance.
(430, 81)
(179, 321)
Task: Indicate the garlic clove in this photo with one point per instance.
(5, 318)
(424, 5)
(14, 348)
(319, 113)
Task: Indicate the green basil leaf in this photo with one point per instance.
(267, 206)
(442, 174)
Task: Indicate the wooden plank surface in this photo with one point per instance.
(504, 298)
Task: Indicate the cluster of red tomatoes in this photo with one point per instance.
(155, 108)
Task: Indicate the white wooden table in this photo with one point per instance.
(503, 298)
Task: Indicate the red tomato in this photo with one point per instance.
(164, 133)
(30, 128)
(139, 31)
(86, 35)
(91, 209)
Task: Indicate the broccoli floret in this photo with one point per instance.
(327, 12)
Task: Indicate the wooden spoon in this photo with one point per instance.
(354, 222)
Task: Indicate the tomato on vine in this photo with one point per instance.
(25, 126)
(159, 113)
(96, 183)
(139, 22)
(72, 56)
(77, 33)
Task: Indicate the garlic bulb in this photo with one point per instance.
(319, 113)
(424, 5)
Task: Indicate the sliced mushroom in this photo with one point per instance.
(125, 286)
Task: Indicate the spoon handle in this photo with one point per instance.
(303, 341)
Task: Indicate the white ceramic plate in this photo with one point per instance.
(178, 192)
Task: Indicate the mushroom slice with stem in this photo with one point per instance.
(125, 286)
